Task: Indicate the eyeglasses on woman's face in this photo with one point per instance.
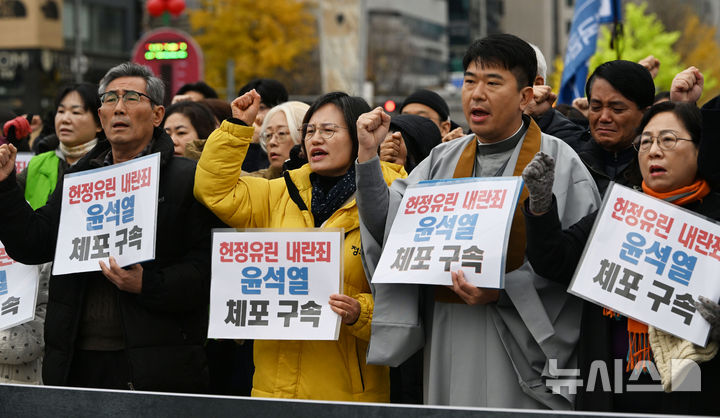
(666, 140)
(282, 136)
(325, 130)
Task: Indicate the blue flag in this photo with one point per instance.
(581, 44)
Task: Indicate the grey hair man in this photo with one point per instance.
(541, 75)
(139, 327)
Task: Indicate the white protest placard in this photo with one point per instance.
(446, 225)
(22, 160)
(650, 260)
(270, 284)
(18, 291)
(109, 211)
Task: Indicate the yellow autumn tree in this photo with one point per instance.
(697, 46)
(263, 38)
(554, 78)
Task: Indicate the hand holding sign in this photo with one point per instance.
(371, 130)
(246, 107)
(348, 308)
(128, 280)
(470, 294)
(8, 152)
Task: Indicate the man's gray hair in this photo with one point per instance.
(542, 64)
(155, 87)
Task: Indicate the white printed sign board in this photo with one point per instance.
(108, 211)
(22, 160)
(446, 225)
(650, 260)
(18, 291)
(275, 284)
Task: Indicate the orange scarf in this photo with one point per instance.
(682, 196)
(639, 349)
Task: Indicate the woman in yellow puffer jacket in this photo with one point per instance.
(321, 193)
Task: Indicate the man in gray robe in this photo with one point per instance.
(483, 347)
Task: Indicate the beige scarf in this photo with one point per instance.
(78, 151)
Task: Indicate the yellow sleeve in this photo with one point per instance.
(361, 328)
(239, 202)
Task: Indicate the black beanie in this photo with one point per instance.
(421, 135)
(430, 99)
(272, 92)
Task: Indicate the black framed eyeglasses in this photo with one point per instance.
(666, 140)
(131, 97)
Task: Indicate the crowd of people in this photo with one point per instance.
(262, 161)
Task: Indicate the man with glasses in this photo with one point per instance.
(139, 327)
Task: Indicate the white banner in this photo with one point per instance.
(109, 211)
(448, 225)
(22, 160)
(650, 260)
(18, 291)
(275, 285)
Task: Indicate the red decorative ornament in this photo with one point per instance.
(156, 7)
(175, 7)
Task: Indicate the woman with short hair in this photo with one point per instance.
(318, 194)
(279, 133)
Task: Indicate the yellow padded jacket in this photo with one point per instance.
(326, 370)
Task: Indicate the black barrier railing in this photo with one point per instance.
(50, 401)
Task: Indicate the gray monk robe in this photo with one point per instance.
(495, 355)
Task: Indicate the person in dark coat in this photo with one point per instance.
(554, 253)
(619, 92)
(687, 86)
(410, 140)
(141, 327)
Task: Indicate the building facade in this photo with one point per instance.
(545, 23)
(407, 45)
(38, 47)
